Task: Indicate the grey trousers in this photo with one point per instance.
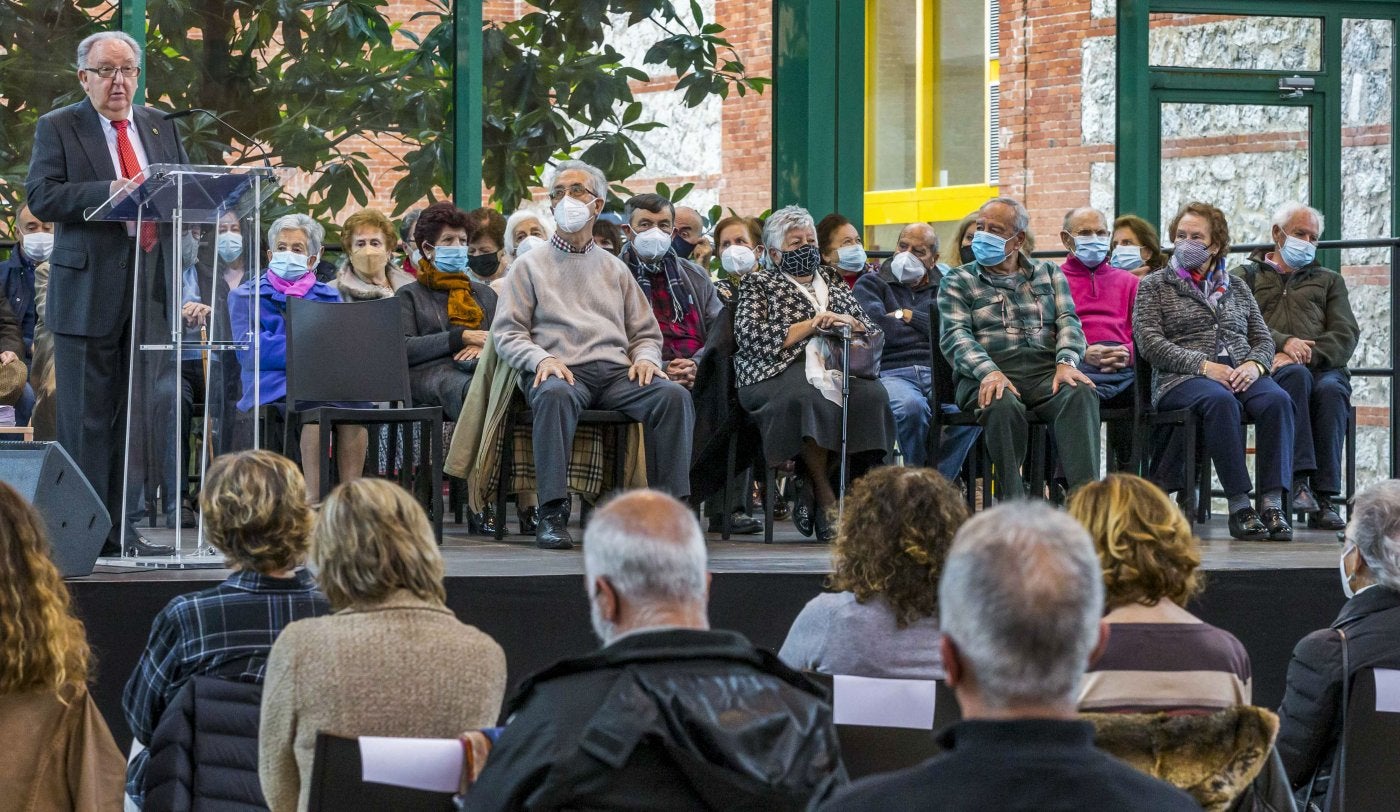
(663, 407)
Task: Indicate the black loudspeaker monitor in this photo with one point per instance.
(77, 520)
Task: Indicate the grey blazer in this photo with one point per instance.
(1174, 328)
(71, 171)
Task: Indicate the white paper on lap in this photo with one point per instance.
(883, 702)
(1387, 690)
(434, 765)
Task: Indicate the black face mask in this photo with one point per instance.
(682, 248)
(965, 254)
(484, 265)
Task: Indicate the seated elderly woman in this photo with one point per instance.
(739, 241)
(59, 752)
(1136, 246)
(779, 369)
(365, 273)
(446, 314)
(894, 536)
(255, 514)
(527, 228)
(485, 251)
(1159, 656)
(294, 243)
(1210, 351)
(842, 247)
(1310, 719)
(392, 661)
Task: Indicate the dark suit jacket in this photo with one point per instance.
(71, 171)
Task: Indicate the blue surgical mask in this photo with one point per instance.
(1126, 257)
(850, 258)
(230, 246)
(988, 248)
(289, 265)
(450, 258)
(1091, 250)
(1298, 253)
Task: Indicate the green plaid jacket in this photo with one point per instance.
(983, 316)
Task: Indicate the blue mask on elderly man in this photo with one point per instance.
(1091, 250)
(988, 248)
(1298, 253)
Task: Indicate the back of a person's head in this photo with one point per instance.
(896, 529)
(255, 511)
(373, 539)
(1144, 542)
(649, 548)
(1021, 598)
(1375, 530)
(42, 645)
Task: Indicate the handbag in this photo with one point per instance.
(865, 351)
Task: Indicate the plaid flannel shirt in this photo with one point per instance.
(226, 631)
(984, 316)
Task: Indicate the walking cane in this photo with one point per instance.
(845, 332)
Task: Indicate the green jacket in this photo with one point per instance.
(1310, 304)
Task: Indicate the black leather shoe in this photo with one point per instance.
(529, 519)
(1246, 525)
(486, 520)
(1277, 525)
(137, 544)
(1303, 499)
(1326, 517)
(803, 509)
(826, 526)
(553, 530)
(740, 524)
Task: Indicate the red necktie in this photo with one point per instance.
(130, 168)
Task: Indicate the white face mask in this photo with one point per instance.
(850, 258)
(38, 246)
(651, 244)
(1342, 568)
(526, 245)
(907, 268)
(738, 259)
(572, 215)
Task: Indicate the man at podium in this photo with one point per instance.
(81, 155)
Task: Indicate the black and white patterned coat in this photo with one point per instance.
(768, 306)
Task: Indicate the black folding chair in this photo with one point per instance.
(1365, 776)
(868, 750)
(338, 785)
(354, 351)
(1194, 488)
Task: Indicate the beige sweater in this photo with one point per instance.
(406, 667)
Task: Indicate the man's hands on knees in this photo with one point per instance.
(1066, 375)
(643, 372)
(682, 371)
(994, 385)
(1107, 357)
(552, 367)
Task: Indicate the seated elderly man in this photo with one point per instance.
(1010, 331)
(575, 321)
(898, 299)
(669, 714)
(1315, 332)
(682, 297)
(1019, 601)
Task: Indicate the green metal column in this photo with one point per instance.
(1135, 178)
(466, 104)
(818, 106)
(132, 16)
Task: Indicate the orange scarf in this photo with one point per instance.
(462, 309)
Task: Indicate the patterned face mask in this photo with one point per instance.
(800, 261)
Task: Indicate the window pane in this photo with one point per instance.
(893, 65)
(960, 117)
(1206, 41)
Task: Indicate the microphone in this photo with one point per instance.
(267, 159)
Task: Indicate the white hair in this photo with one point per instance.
(597, 181)
(1286, 212)
(1375, 530)
(1021, 597)
(85, 47)
(780, 222)
(315, 234)
(526, 212)
(1022, 220)
(650, 549)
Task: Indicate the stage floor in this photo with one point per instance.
(467, 555)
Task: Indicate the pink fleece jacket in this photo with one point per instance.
(1103, 298)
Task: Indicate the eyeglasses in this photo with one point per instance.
(108, 71)
(575, 190)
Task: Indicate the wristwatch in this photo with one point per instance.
(902, 311)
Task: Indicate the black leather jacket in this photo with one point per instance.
(672, 719)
